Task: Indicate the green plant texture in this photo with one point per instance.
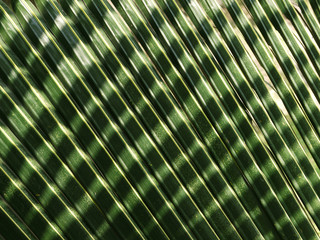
(160, 119)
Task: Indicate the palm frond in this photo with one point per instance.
(144, 119)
